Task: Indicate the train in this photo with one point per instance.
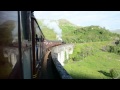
(22, 45)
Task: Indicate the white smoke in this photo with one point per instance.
(53, 25)
(58, 38)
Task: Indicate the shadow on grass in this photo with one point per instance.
(105, 73)
(82, 76)
(90, 76)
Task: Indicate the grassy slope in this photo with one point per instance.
(67, 29)
(95, 66)
(49, 33)
(73, 33)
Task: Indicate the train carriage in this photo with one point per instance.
(20, 51)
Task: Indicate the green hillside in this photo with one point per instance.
(96, 54)
(67, 26)
(78, 34)
(89, 61)
(86, 34)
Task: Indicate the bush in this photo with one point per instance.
(77, 58)
(112, 49)
(113, 73)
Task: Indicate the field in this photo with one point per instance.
(93, 63)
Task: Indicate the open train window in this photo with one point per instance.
(37, 41)
(37, 31)
(36, 45)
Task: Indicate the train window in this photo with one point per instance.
(8, 42)
(37, 30)
(38, 40)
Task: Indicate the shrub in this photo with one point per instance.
(113, 73)
(77, 58)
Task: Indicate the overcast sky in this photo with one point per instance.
(108, 19)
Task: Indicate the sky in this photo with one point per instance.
(108, 19)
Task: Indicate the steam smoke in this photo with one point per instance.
(53, 25)
(58, 38)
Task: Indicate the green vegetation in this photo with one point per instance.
(96, 54)
(75, 34)
(114, 48)
(66, 26)
(49, 33)
(87, 34)
(88, 61)
(114, 73)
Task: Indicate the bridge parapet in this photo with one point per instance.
(59, 55)
(62, 52)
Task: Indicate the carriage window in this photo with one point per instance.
(37, 30)
(8, 42)
(38, 46)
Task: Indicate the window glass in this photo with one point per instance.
(8, 42)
